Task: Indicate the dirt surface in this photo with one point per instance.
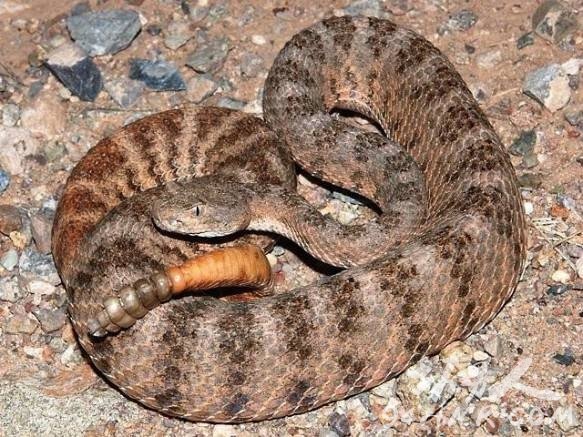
(522, 374)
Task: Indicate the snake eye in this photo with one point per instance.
(197, 211)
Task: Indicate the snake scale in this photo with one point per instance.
(208, 359)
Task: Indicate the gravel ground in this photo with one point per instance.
(72, 73)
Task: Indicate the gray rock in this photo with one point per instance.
(219, 10)
(494, 346)
(251, 64)
(104, 32)
(4, 180)
(124, 91)
(567, 417)
(566, 358)
(50, 320)
(524, 144)
(530, 160)
(531, 180)
(228, 102)
(209, 57)
(10, 291)
(54, 151)
(15, 144)
(157, 75)
(525, 40)
(345, 198)
(39, 266)
(327, 432)
(489, 59)
(459, 21)
(339, 423)
(549, 86)
(574, 115)
(177, 34)
(201, 87)
(71, 65)
(554, 21)
(195, 13)
(369, 8)
(9, 259)
(10, 114)
(153, 29)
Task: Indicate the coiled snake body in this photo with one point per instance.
(449, 271)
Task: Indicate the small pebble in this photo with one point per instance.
(369, 8)
(553, 21)
(34, 266)
(564, 359)
(531, 180)
(76, 71)
(9, 259)
(40, 288)
(124, 91)
(574, 115)
(195, 13)
(10, 291)
(494, 346)
(154, 30)
(209, 57)
(459, 21)
(579, 267)
(54, 151)
(345, 198)
(4, 180)
(41, 225)
(10, 114)
(200, 87)
(258, 40)
(223, 430)
(50, 320)
(218, 10)
(524, 144)
(480, 356)
(561, 276)
(489, 59)
(228, 102)
(558, 289)
(272, 259)
(458, 355)
(528, 208)
(157, 75)
(104, 32)
(549, 86)
(525, 40)
(21, 324)
(278, 250)
(177, 34)
(339, 423)
(530, 160)
(251, 64)
(567, 417)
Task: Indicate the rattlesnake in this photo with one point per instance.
(203, 358)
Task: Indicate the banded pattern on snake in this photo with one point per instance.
(203, 358)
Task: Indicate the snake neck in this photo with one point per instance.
(289, 215)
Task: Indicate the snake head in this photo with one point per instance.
(205, 207)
